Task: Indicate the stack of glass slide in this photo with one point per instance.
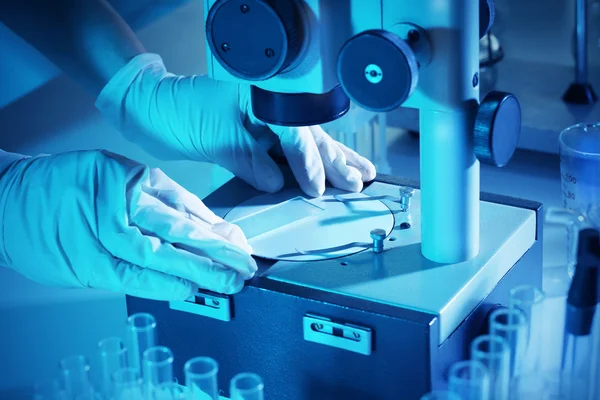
(140, 369)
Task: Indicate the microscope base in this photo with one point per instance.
(365, 326)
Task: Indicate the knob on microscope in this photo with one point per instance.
(379, 69)
(487, 14)
(256, 39)
(497, 128)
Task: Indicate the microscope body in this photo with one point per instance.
(306, 60)
(369, 325)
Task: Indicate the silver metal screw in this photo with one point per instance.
(378, 236)
(406, 194)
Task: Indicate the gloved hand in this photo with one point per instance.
(201, 119)
(96, 219)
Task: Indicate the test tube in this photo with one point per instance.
(470, 380)
(157, 371)
(141, 335)
(527, 387)
(75, 371)
(48, 389)
(113, 357)
(168, 391)
(246, 386)
(493, 352)
(440, 395)
(201, 378)
(511, 325)
(576, 367)
(127, 384)
(530, 300)
(572, 221)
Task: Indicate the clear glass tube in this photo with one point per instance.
(168, 391)
(528, 387)
(573, 220)
(157, 371)
(531, 301)
(201, 378)
(76, 374)
(141, 335)
(470, 380)
(511, 325)
(493, 352)
(127, 384)
(113, 356)
(246, 386)
(595, 373)
(440, 395)
(576, 366)
(48, 389)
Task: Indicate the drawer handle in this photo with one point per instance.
(344, 336)
(207, 304)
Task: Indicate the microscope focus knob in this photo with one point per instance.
(378, 70)
(497, 128)
(487, 14)
(256, 39)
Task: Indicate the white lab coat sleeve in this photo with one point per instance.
(7, 158)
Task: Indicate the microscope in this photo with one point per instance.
(328, 314)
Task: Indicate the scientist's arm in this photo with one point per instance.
(87, 39)
(174, 117)
(99, 220)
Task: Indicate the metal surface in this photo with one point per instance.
(345, 336)
(400, 276)
(406, 194)
(207, 304)
(378, 236)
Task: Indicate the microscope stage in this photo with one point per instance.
(322, 244)
(288, 226)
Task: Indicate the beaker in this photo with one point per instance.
(580, 166)
(580, 172)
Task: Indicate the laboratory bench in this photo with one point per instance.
(42, 324)
(74, 320)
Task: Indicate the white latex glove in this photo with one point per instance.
(96, 219)
(201, 119)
